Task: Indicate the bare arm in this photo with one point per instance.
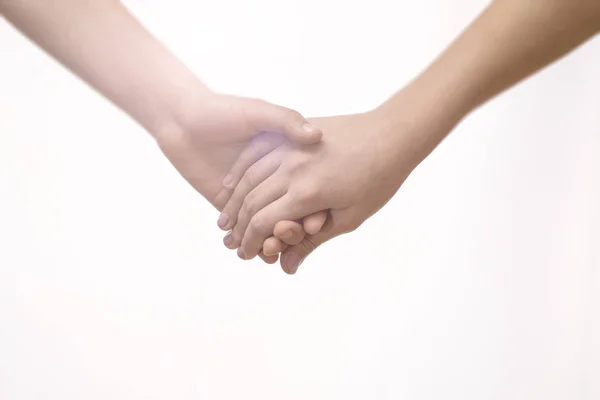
(510, 40)
(366, 157)
(101, 42)
(199, 131)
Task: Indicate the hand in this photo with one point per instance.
(360, 164)
(289, 233)
(213, 129)
(152, 86)
(211, 132)
(265, 145)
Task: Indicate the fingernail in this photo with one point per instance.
(294, 261)
(298, 266)
(287, 235)
(241, 254)
(227, 240)
(310, 128)
(223, 221)
(227, 181)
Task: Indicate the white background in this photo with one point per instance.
(480, 279)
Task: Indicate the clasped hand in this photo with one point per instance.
(288, 197)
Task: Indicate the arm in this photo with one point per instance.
(104, 45)
(509, 41)
(199, 131)
(101, 42)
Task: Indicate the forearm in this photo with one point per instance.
(509, 41)
(107, 47)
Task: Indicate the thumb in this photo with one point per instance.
(266, 117)
(293, 256)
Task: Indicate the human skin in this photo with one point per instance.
(201, 132)
(364, 158)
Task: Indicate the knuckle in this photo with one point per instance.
(297, 164)
(254, 145)
(260, 144)
(308, 195)
(251, 177)
(234, 205)
(259, 225)
(247, 209)
(301, 162)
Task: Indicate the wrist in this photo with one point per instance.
(414, 122)
(184, 106)
(440, 97)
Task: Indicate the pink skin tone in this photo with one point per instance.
(202, 133)
(286, 233)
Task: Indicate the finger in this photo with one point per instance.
(267, 117)
(273, 188)
(285, 233)
(228, 241)
(254, 176)
(292, 232)
(257, 148)
(293, 256)
(314, 222)
(273, 246)
(262, 224)
(289, 232)
(269, 259)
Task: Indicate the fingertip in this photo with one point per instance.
(269, 259)
(236, 237)
(312, 230)
(310, 134)
(304, 133)
(228, 241)
(223, 221)
(290, 262)
(285, 229)
(273, 246)
(289, 232)
(314, 222)
(311, 129)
